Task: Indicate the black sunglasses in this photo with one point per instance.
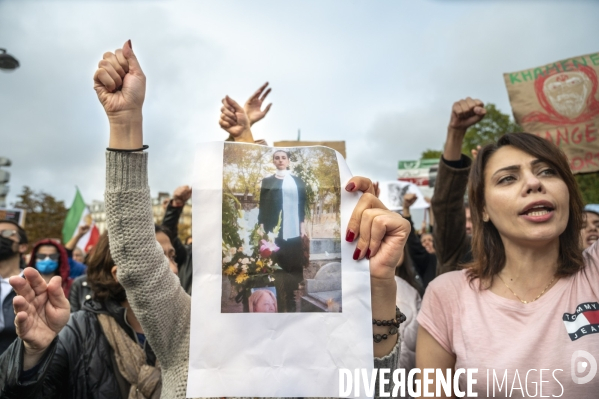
(44, 256)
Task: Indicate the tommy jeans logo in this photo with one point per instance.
(584, 322)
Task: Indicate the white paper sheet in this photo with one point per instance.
(392, 193)
(266, 354)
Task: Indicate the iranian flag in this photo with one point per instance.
(79, 215)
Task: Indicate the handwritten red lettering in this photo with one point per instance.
(589, 133)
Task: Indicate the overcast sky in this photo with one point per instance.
(381, 75)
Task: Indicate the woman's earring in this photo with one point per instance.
(485, 218)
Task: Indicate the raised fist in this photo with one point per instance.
(466, 113)
(120, 83)
(254, 103)
(409, 199)
(181, 195)
(83, 229)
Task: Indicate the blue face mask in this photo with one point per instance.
(46, 266)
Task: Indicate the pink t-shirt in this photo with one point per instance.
(534, 342)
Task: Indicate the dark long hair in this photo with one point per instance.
(488, 251)
(99, 269)
(99, 273)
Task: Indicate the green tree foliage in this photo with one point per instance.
(431, 154)
(494, 125)
(589, 186)
(45, 215)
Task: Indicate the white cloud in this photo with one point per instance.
(380, 75)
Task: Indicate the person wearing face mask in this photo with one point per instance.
(51, 259)
(284, 195)
(11, 236)
(102, 351)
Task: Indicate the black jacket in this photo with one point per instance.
(424, 263)
(78, 364)
(80, 292)
(271, 201)
(8, 334)
(452, 245)
(182, 252)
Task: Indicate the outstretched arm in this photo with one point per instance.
(451, 241)
(154, 292)
(81, 231)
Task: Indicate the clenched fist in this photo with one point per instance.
(466, 113)
(119, 82)
(121, 88)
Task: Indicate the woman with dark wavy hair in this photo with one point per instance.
(529, 300)
(102, 349)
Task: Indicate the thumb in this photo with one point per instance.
(480, 111)
(234, 104)
(134, 67)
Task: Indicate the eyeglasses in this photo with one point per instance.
(9, 233)
(44, 256)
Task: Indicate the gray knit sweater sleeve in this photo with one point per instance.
(154, 292)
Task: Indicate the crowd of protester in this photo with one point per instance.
(115, 322)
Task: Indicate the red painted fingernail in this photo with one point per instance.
(350, 186)
(130, 45)
(349, 237)
(356, 253)
(368, 254)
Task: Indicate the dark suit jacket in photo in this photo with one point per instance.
(271, 201)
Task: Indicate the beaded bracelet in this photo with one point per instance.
(145, 147)
(393, 323)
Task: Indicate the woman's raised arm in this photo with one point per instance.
(153, 291)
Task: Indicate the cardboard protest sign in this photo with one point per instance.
(279, 306)
(559, 102)
(392, 193)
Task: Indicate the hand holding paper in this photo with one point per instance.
(382, 235)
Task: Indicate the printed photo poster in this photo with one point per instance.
(560, 103)
(278, 304)
(393, 191)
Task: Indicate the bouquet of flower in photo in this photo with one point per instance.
(251, 265)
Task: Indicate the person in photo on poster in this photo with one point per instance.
(263, 301)
(283, 196)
